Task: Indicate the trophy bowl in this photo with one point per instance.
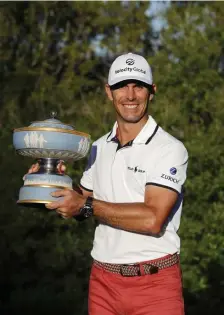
(49, 142)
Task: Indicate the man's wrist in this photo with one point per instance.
(87, 210)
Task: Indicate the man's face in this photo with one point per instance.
(130, 100)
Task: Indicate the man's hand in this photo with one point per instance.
(35, 168)
(69, 206)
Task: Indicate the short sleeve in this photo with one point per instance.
(86, 181)
(170, 168)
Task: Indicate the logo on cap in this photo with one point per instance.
(130, 62)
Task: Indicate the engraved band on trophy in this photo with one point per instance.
(49, 142)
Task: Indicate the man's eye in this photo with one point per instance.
(139, 86)
(122, 86)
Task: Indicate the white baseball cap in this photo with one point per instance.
(130, 67)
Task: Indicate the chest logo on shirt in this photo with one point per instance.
(136, 169)
(170, 178)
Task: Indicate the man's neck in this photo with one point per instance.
(129, 131)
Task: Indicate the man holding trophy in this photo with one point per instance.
(133, 186)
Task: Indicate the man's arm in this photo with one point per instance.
(86, 194)
(148, 217)
(83, 192)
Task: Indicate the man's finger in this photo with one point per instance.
(60, 193)
(34, 168)
(64, 217)
(53, 205)
(62, 212)
(61, 167)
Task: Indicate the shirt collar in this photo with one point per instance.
(144, 136)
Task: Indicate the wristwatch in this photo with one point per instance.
(87, 210)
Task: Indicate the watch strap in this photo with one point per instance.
(87, 210)
(89, 201)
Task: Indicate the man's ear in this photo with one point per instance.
(154, 92)
(108, 92)
(154, 88)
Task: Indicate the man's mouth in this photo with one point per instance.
(130, 106)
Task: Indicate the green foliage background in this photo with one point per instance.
(56, 55)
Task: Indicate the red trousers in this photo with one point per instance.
(155, 294)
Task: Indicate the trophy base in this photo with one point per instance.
(37, 197)
(34, 201)
(40, 204)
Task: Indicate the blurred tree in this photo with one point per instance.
(65, 47)
(54, 55)
(190, 75)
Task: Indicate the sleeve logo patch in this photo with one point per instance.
(173, 170)
(176, 181)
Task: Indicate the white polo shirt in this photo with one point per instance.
(119, 175)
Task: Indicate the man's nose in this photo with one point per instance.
(130, 93)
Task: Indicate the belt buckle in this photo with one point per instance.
(153, 269)
(124, 270)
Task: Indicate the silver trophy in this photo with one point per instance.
(49, 142)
